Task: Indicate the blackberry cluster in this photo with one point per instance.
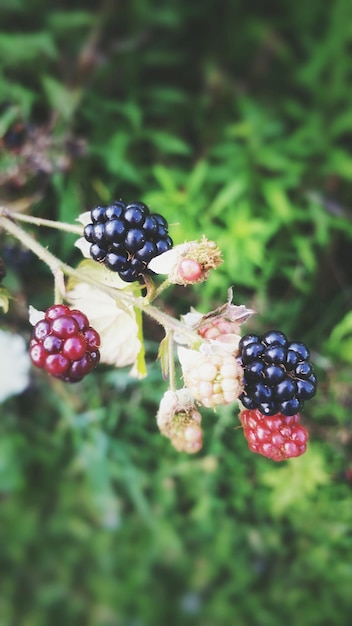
(278, 376)
(127, 237)
(64, 344)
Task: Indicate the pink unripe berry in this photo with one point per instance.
(190, 270)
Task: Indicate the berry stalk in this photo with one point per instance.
(39, 221)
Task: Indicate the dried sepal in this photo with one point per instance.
(180, 421)
(220, 326)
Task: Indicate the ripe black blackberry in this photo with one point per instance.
(278, 376)
(126, 238)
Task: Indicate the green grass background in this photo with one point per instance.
(232, 119)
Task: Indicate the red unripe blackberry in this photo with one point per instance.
(277, 437)
(64, 344)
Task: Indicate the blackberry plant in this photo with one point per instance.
(97, 317)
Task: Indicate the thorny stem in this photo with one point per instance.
(59, 268)
(39, 221)
(164, 285)
(152, 290)
(42, 253)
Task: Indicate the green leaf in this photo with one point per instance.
(295, 483)
(70, 20)
(115, 155)
(197, 178)
(163, 355)
(5, 297)
(7, 118)
(227, 196)
(11, 477)
(278, 201)
(61, 98)
(341, 164)
(165, 179)
(140, 366)
(132, 112)
(170, 144)
(24, 48)
(340, 340)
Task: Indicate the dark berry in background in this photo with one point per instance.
(2, 269)
(127, 237)
(278, 376)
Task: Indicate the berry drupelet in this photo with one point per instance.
(64, 344)
(126, 238)
(278, 376)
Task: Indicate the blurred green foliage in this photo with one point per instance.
(233, 120)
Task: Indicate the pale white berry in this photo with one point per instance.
(179, 421)
(213, 379)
